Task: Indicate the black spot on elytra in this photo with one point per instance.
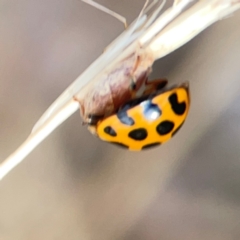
(151, 145)
(110, 131)
(124, 118)
(178, 108)
(120, 145)
(175, 131)
(165, 127)
(138, 134)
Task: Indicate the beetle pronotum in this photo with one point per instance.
(153, 36)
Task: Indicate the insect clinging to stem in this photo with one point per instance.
(103, 99)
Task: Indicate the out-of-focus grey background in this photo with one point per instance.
(74, 186)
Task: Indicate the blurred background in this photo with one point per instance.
(74, 186)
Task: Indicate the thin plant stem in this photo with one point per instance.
(37, 137)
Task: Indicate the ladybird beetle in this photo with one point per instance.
(147, 121)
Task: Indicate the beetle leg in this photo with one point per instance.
(149, 87)
(154, 85)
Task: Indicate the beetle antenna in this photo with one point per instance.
(108, 11)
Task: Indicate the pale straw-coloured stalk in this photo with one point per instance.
(158, 35)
